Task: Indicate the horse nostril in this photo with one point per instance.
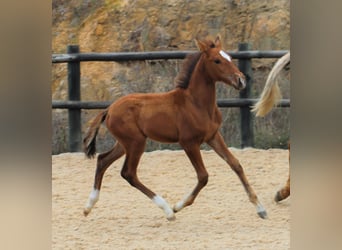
(242, 83)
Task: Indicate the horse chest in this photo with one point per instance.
(213, 126)
(199, 125)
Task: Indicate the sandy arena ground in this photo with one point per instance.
(220, 218)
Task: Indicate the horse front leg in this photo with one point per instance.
(217, 143)
(194, 154)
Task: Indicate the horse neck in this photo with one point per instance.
(202, 88)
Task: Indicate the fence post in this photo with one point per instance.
(74, 94)
(246, 119)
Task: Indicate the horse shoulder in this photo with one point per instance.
(217, 116)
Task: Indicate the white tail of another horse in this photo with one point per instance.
(271, 95)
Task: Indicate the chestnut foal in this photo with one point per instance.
(187, 115)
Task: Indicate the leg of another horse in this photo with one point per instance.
(129, 173)
(104, 160)
(285, 191)
(194, 154)
(217, 143)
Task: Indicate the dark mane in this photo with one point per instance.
(183, 78)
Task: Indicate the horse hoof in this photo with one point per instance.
(175, 209)
(278, 197)
(262, 214)
(261, 211)
(86, 212)
(171, 218)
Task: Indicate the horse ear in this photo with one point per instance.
(202, 46)
(218, 41)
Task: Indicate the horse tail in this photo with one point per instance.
(89, 141)
(271, 95)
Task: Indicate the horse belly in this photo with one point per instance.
(160, 126)
(149, 115)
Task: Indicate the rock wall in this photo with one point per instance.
(131, 25)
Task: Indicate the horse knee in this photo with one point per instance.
(234, 164)
(237, 168)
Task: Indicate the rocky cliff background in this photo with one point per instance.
(132, 25)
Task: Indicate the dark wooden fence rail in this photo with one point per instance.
(155, 55)
(74, 104)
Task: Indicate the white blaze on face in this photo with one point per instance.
(225, 55)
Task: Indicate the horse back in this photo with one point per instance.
(151, 115)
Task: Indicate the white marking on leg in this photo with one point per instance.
(225, 55)
(93, 198)
(160, 202)
(180, 204)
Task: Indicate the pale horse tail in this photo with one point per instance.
(271, 95)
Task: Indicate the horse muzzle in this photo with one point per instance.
(241, 83)
(237, 81)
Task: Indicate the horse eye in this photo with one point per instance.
(217, 61)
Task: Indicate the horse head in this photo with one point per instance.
(219, 64)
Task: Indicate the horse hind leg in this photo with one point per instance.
(129, 173)
(104, 160)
